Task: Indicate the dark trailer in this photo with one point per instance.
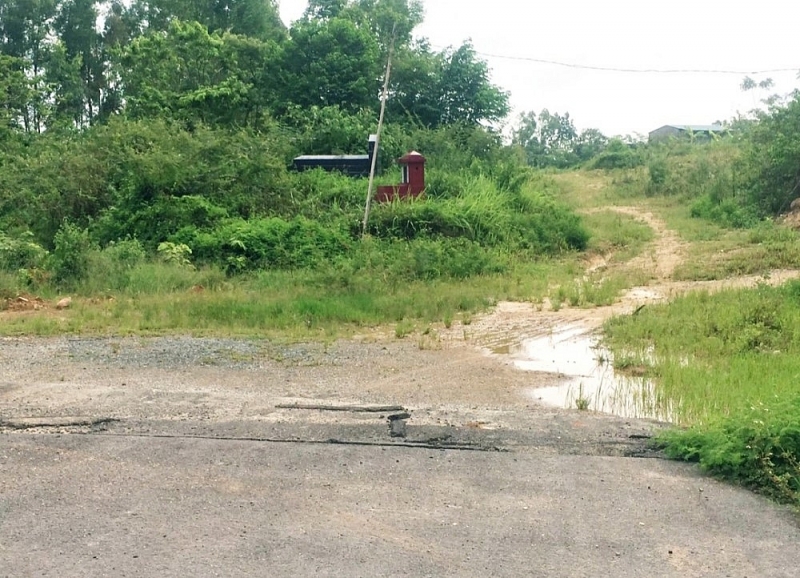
(350, 165)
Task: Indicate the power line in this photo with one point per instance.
(630, 70)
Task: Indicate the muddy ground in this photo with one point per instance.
(428, 456)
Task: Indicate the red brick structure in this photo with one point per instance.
(413, 166)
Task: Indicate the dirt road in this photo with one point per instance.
(221, 457)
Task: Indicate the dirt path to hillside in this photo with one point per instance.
(427, 456)
(512, 322)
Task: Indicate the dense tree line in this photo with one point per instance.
(233, 63)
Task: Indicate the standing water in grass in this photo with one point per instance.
(588, 378)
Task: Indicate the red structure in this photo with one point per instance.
(413, 165)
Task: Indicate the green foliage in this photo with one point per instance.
(551, 140)
(275, 243)
(189, 74)
(125, 177)
(749, 174)
(117, 262)
(482, 213)
(728, 364)
(158, 221)
(618, 155)
(329, 130)
(331, 62)
(15, 94)
(21, 252)
(70, 259)
(726, 212)
(774, 158)
(658, 170)
(758, 447)
(176, 253)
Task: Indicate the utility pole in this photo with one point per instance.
(384, 98)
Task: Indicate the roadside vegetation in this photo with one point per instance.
(727, 365)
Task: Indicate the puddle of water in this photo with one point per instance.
(589, 379)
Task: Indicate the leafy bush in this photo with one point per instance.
(726, 212)
(658, 170)
(125, 254)
(119, 176)
(114, 268)
(327, 197)
(175, 253)
(773, 158)
(21, 253)
(618, 155)
(275, 243)
(70, 259)
(152, 224)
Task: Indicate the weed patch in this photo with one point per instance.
(728, 364)
(758, 447)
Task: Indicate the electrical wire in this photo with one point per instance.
(629, 70)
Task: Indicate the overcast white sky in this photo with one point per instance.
(735, 35)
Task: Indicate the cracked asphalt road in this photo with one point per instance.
(171, 457)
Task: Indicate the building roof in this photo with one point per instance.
(332, 157)
(696, 127)
(412, 156)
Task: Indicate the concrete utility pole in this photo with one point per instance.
(384, 98)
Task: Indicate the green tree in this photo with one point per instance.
(465, 92)
(255, 18)
(331, 62)
(25, 29)
(66, 95)
(590, 143)
(415, 86)
(551, 140)
(15, 94)
(388, 19)
(324, 9)
(187, 73)
(76, 26)
(774, 158)
(432, 89)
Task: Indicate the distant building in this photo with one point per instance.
(350, 165)
(668, 131)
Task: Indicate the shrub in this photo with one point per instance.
(275, 243)
(175, 253)
(70, 259)
(113, 268)
(726, 212)
(482, 213)
(618, 155)
(21, 253)
(125, 254)
(327, 197)
(154, 223)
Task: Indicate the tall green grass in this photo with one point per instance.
(617, 234)
(729, 366)
(163, 298)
